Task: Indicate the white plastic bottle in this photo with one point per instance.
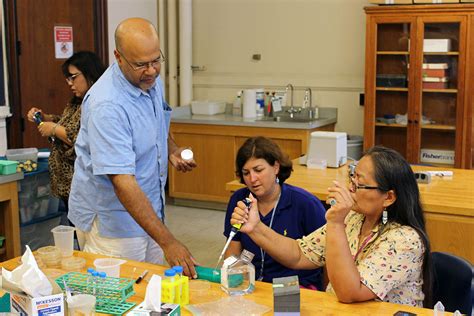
(237, 106)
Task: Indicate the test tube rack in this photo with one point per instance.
(110, 293)
(175, 292)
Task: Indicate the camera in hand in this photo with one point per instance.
(37, 117)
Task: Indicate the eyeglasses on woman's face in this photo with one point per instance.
(141, 66)
(354, 185)
(72, 77)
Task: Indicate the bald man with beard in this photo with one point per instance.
(118, 190)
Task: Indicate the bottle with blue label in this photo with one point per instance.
(260, 93)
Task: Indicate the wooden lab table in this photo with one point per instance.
(10, 216)
(448, 203)
(312, 302)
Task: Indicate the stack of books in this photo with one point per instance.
(435, 76)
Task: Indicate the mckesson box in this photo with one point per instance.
(329, 146)
(52, 305)
(437, 156)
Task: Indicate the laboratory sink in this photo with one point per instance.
(287, 118)
(300, 115)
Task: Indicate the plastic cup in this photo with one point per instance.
(111, 266)
(64, 239)
(81, 305)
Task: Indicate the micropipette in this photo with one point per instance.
(235, 228)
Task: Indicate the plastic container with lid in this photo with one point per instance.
(8, 167)
(22, 154)
(207, 107)
(27, 158)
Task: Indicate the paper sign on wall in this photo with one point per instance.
(63, 43)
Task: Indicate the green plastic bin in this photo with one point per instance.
(8, 167)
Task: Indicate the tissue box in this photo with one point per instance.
(52, 305)
(166, 310)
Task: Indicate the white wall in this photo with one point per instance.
(315, 43)
(119, 10)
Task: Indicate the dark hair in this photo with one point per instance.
(392, 172)
(263, 148)
(89, 64)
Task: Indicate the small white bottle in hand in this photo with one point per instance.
(187, 155)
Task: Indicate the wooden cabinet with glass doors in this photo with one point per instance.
(418, 74)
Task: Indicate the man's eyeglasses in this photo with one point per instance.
(354, 186)
(71, 78)
(145, 65)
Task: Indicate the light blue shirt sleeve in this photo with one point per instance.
(112, 149)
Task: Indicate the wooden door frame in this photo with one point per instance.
(15, 122)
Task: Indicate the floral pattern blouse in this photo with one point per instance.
(390, 264)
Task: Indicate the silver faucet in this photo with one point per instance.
(292, 109)
(313, 113)
(308, 97)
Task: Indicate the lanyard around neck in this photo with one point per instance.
(364, 243)
(262, 253)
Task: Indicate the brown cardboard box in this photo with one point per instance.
(391, 1)
(436, 1)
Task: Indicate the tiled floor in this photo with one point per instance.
(199, 229)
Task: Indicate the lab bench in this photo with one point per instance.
(215, 140)
(39, 210)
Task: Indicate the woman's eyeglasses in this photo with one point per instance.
(72, 77)
(354, 186)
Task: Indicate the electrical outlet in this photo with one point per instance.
(361, 99)
(423, 177)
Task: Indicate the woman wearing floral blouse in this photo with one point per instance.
(374, 245)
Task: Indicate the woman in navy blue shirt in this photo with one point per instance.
(288, 210)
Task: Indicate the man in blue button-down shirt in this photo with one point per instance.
(117, 194)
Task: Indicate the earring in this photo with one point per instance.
(277, 181)
(384, 216)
